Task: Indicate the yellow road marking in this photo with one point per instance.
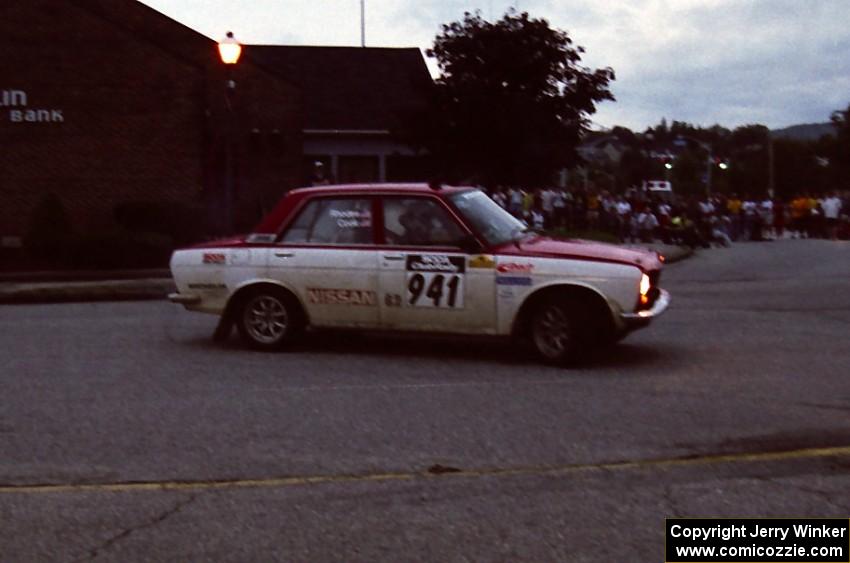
(563, 469)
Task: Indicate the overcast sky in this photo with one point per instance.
(732, 62)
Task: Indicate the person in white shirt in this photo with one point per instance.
(623, 211)
(765, 210)
(831, 206)
(500, 197)
(559, 203)
(751, 228)
(515, 196)
(537, 218)
(647, 224)
(547, 197)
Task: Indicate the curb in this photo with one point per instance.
(671, 253)
(682, 253)
(109, 290)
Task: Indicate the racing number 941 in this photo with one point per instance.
(434, 290)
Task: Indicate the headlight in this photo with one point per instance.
(644, 284)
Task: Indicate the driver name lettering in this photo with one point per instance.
(352, 218)
(436, 263)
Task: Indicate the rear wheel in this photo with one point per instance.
(268, 319)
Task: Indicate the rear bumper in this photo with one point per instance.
(184, 298)
(643, 318)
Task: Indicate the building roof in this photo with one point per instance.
(145, 22)
(350, 88)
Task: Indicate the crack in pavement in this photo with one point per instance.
(96, 551)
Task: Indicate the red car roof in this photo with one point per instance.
(379, 188)
(271, 222)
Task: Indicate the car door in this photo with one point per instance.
(426, 281)
(327, 256)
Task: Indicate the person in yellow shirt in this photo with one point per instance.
(592, 210)
(733, 207)
(799, 215)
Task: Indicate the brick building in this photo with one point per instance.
(108, 104)
(122, 116)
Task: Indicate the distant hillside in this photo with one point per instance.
(804, 131)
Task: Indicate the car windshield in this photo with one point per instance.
(496, 225)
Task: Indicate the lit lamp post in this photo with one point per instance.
(229, 51)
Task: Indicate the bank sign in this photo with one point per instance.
(14, 107)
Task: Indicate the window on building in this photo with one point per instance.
(332, 221)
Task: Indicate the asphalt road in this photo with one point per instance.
(126, 434)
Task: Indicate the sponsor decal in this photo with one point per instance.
(240, 257)
(506, 293)
(482, 261)
(514, 268)
(513, 280)
(436, 263)
(392, 300)
(214, 258)
(327, 296)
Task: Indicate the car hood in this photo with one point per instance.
(577, 249)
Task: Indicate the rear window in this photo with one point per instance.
(332, 221)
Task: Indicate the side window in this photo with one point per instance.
(419, 221)
(332, 221)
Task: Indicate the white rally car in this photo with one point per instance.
(415, 257)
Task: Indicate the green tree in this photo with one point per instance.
(687, 173)
(748, 150)
(512, 101)
(840, 153)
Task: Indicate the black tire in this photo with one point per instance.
(558, 330)
(268, 319)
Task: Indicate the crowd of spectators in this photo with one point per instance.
(713, 219)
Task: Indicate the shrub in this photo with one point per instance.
(49, 233)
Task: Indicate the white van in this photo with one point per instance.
(661, 189)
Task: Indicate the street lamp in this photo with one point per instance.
(229, 51)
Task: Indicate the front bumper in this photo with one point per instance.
(642, 318)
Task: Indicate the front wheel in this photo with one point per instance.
(267, 319)
(556, 331)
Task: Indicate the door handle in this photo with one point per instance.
(282, 254)
(398, 256)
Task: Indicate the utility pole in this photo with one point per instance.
(362, 23)
(770, 178)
